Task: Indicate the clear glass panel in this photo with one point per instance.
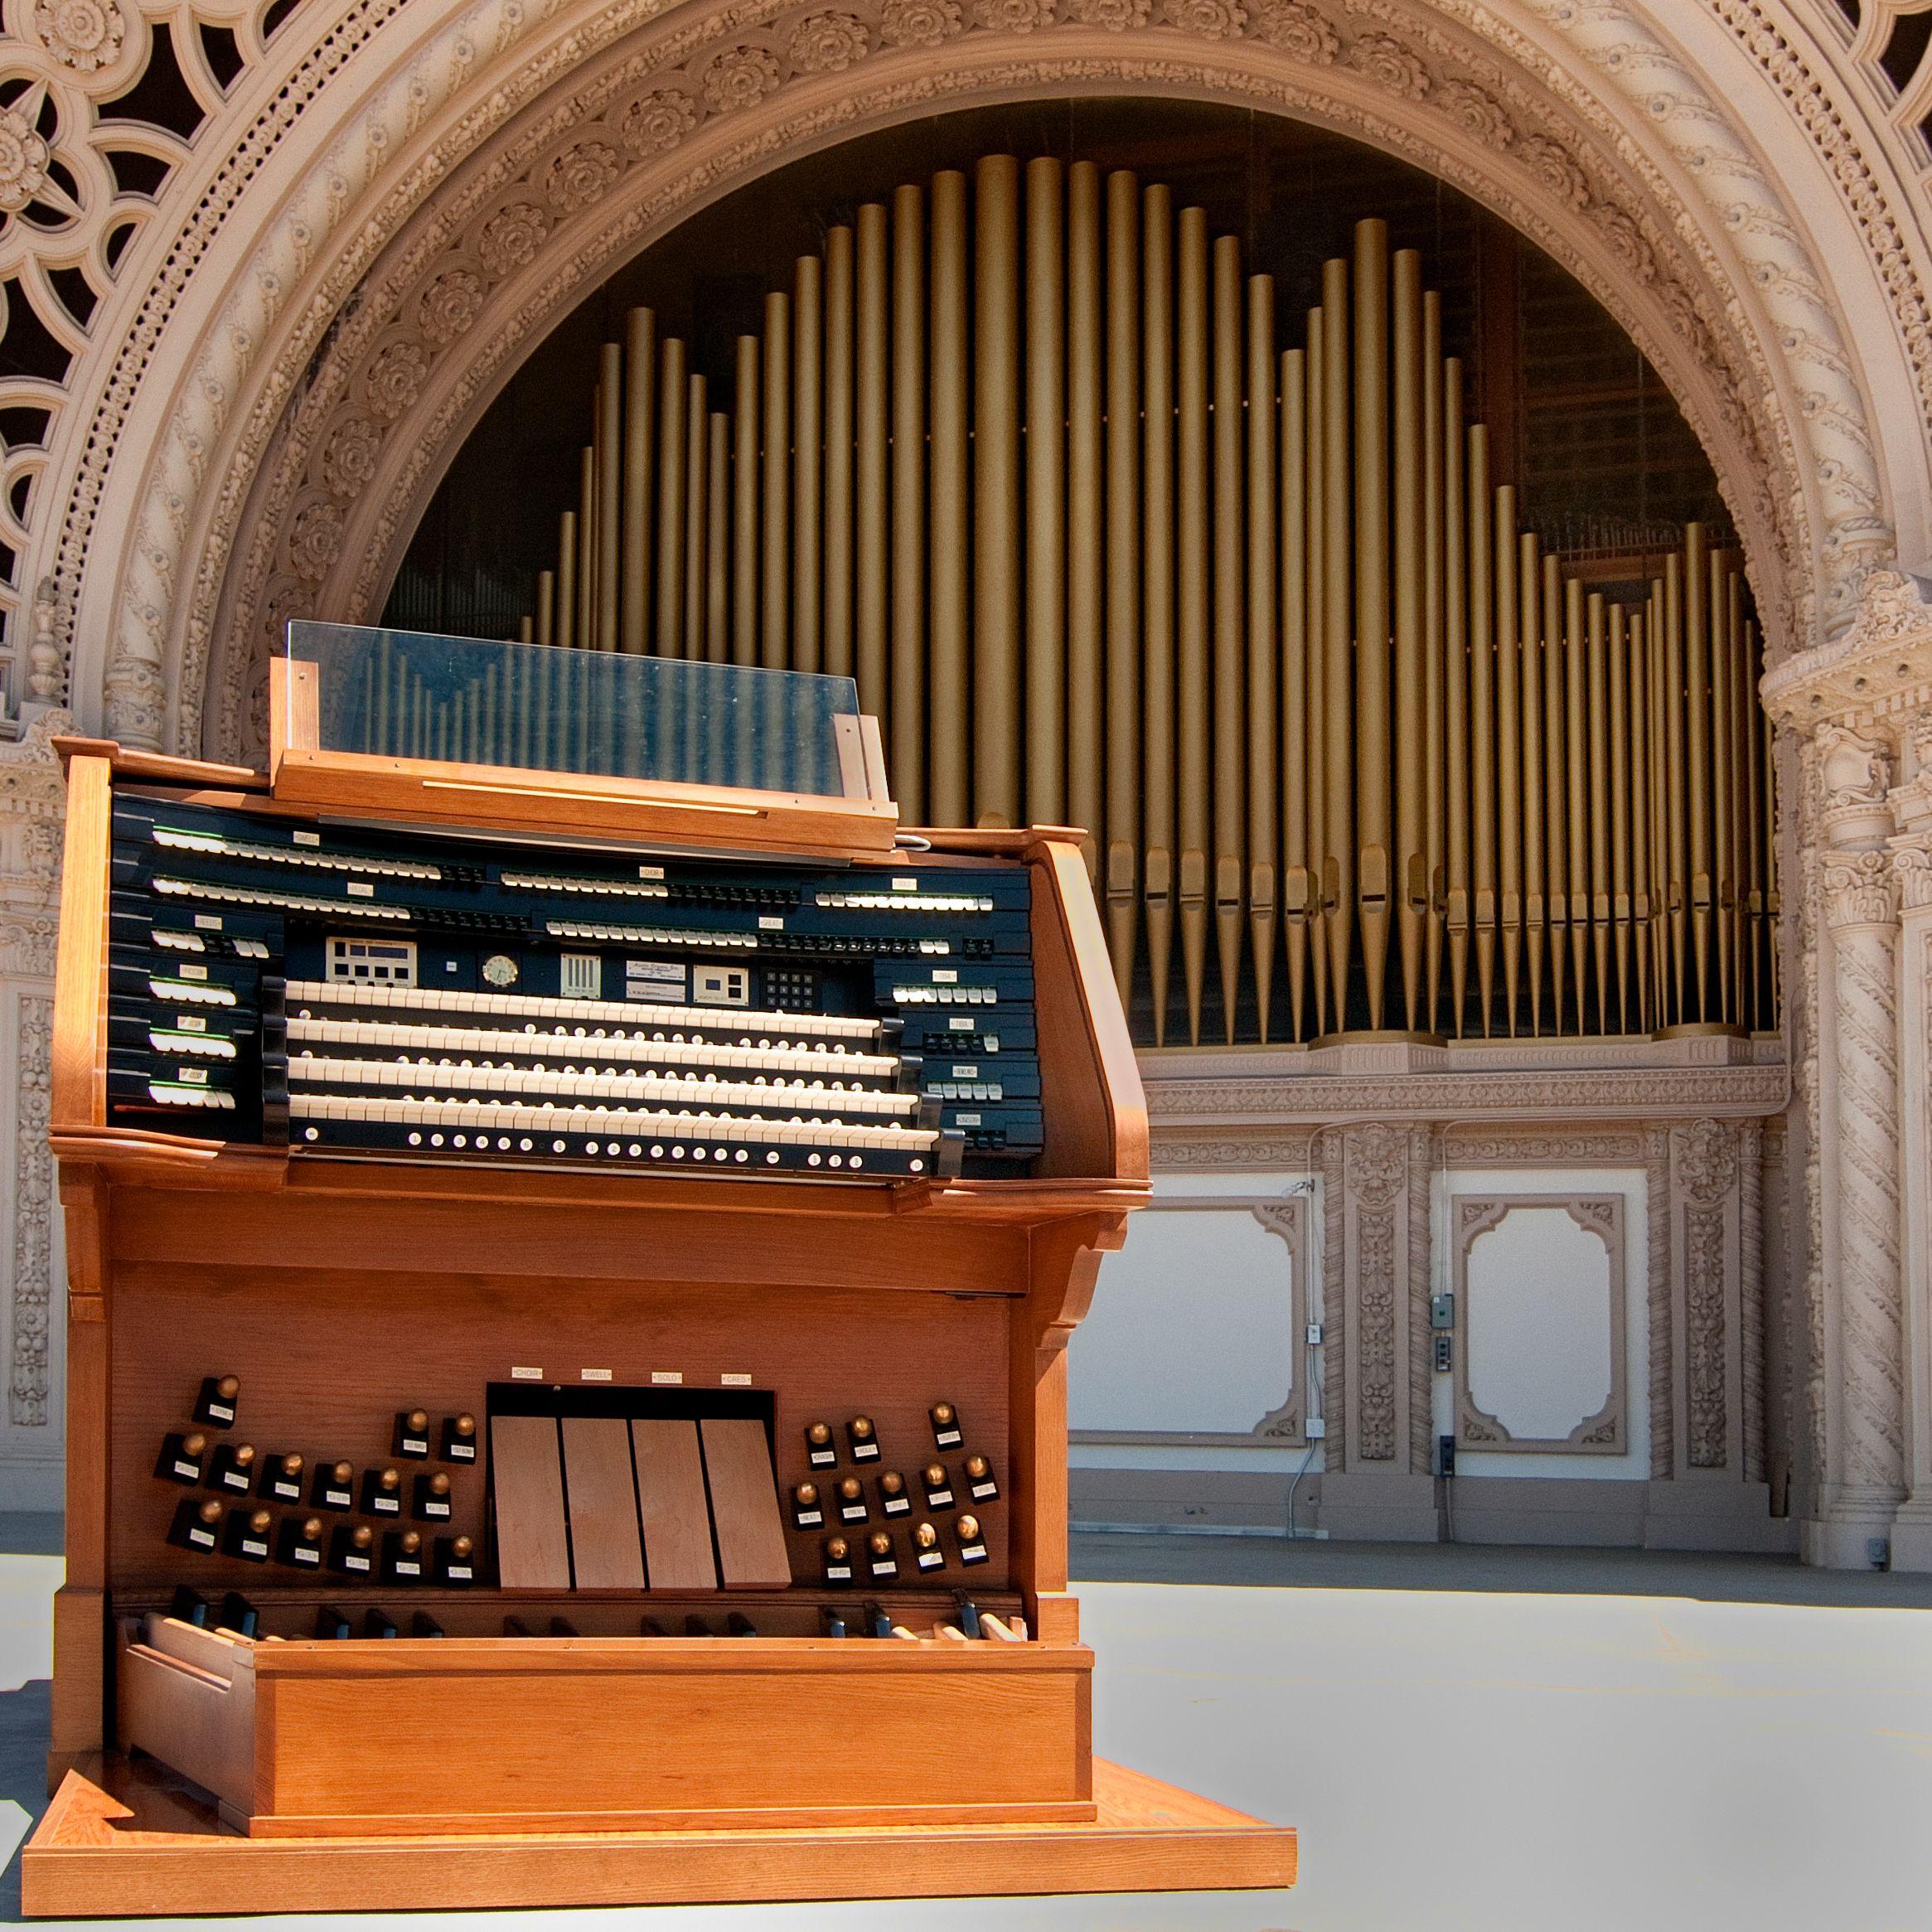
(537, 707)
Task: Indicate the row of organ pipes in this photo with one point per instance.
(1029, 456)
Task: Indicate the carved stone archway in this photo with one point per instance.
(652, 124)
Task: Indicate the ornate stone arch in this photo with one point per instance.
(219, 466)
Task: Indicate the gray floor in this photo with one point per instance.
(1553, 1741)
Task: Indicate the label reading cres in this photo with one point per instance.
(207, 921)
(306, 838)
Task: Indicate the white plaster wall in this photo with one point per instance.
(1557, 1184)
(1193, 1329)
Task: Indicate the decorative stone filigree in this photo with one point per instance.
(583, 173)
(919, 23)
(1396, 67)
(83, 36)
(740, 76)
(1853, 769)
(828, 43)
(449, 305)
(1479, 111)
(512, 236)
(1861, 889)
(33, 1215)
(659, 121)
(1213, 19)
(1707, 1160)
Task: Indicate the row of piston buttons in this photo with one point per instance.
(236, 1468)
(849, 1504)
(211, 1527)
(862, 1437)
(878, 1558)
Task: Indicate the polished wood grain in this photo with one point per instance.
(145, 1848)
(526, 1486)
(673, 1503)
(77, 1091)
(745, 1520)
(602, 1494)
(187, 1696)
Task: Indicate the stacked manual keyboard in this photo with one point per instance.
(351, 990)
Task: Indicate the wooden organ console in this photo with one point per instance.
(569, 1274)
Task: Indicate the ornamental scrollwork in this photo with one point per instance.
(1861, 889)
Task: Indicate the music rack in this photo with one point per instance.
(508, 1254)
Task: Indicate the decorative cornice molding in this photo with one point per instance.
(1316, 1100)
(1881, 667)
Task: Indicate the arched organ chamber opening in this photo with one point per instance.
(1111, 533)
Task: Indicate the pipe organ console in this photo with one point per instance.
(569, 1277)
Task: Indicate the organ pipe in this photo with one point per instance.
(1103, 534)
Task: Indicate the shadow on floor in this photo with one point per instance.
(25, 1715)
(1271, 1563)
(31, 1533)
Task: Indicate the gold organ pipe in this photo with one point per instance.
(1556, 754)
(717, 542)
(1229, 731)
(1263, 641)
(1509, 750)
(1157, 508)
(1482, 704)
(1434, 644)
(906, 654)
(610, 466)
(996, 492)
(1046, 495)
(1696, 629)
(871, 618)
(587, 548)
(1638, 688)
(1535, 864)
(1455, 728)
(1294, 726)
(1373, 883)
(1577, 732)
(808, 436)
(1086, 536)
(1410, 883)
(1737, 783)
(1338, 615)
(1192, 594)
(1724, 757)
(673, 402)
(1599, 889)
(1767, 840)
(1674, 765)
(1124, 551)
(639, 403)
(1314, 717)
(1663, 972)
(744, 518)
(546, 609)
(839, 446)
(949, 495)
(566, 579)
(1617, 719)
(697, 521)
(1752, 897)
(775, 537)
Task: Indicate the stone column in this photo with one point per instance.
(1856, 706)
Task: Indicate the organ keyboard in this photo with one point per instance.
(533, 1213)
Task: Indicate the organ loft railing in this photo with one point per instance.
(1104, 539)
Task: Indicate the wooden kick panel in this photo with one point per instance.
(744, 1504)
(604, 1549)
(670, 1501)
(526, 1474)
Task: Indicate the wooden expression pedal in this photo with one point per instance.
(334, 1487)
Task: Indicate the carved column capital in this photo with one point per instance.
(1860, 889)
(1911, 863)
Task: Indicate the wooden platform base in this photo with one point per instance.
(129, 1840)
